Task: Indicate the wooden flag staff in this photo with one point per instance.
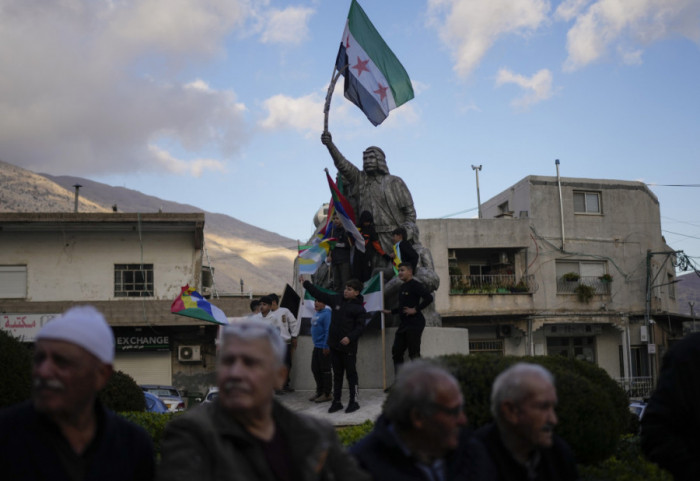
(329, 94)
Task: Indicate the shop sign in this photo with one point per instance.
(133, 340)
(25, 327)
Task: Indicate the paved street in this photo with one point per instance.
(370, 401)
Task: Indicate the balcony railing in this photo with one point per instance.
(599, 285)
(636, 387)
(490, 284)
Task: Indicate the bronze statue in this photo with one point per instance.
(375, 190)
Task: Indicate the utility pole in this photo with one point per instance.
(478, 196)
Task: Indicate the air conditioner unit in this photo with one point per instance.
(451, 254)
(189, 353)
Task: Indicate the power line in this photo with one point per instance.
(673, 185)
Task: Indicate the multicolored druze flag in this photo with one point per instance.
(375, 80)
(190, 303)
(311, 257)
(342, 207)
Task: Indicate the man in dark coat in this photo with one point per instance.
(421, 434)
(245, 434)
(413, 298)
(347, 323)
(522, 443)
(64, 433)
(671, 421)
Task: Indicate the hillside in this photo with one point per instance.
(236, 250)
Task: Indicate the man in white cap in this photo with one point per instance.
(64, 433)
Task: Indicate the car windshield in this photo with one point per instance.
(212, 396)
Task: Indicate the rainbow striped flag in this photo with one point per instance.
(190, 303)
(342, 207)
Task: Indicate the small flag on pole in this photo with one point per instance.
(343, 210)
(375, 80)
(190, 303)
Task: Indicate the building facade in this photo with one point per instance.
(571, 267)
(131, 267)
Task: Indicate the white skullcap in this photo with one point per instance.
(84, 326)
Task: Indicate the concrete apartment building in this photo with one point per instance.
(131, 267)
(562, 267)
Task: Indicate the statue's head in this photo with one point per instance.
(374, 161)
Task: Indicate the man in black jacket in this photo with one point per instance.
(522, 443)
(347, 322)
(421, 434)
(672, 420)
(64, 432)
(413, 298)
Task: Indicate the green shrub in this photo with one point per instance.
(122, 394)
(591, 413)
(349, 435)
(628, 464)
(15, 370)
(153, 423)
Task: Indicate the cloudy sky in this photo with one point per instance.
(218, 103)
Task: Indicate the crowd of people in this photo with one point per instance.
(64, 432)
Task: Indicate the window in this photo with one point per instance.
(133, 280)
(582, 348)
(671, 286)
(587, 203)
(486, 346)
(13, 282)
(589, 273)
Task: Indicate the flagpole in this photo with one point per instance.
(327, 107)
(381, 290)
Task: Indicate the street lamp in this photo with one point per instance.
(478, 197)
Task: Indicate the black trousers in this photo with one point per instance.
(321, 369)
(344, 363)
(288, 363)
(406, 338)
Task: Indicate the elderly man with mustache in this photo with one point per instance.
(246, 434)
(522, 442)
(64, 432)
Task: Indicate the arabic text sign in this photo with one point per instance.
(24, 326)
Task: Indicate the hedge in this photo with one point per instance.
(15, 370)
(153, 423)
(592, 409)
(122, 393)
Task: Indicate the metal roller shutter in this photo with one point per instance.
(146, 367)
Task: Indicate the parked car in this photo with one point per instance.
(168, 394)
(638, 408)
(154, 404)
(212, 394)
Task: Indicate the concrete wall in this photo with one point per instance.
(79, 266)
(436, 341)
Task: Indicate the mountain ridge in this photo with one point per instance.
(237, 250)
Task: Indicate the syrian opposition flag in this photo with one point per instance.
(375, 80)
(372, 294)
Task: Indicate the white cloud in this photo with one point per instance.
(304, 114)
(74, 98)
(167, 162)
(288, 26)
(538, 87)
(615, 23)
(470, 28)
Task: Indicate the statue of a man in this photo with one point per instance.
(375, 190)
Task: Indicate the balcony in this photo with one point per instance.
(600, 286)
(490, 284)
(636, 387)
